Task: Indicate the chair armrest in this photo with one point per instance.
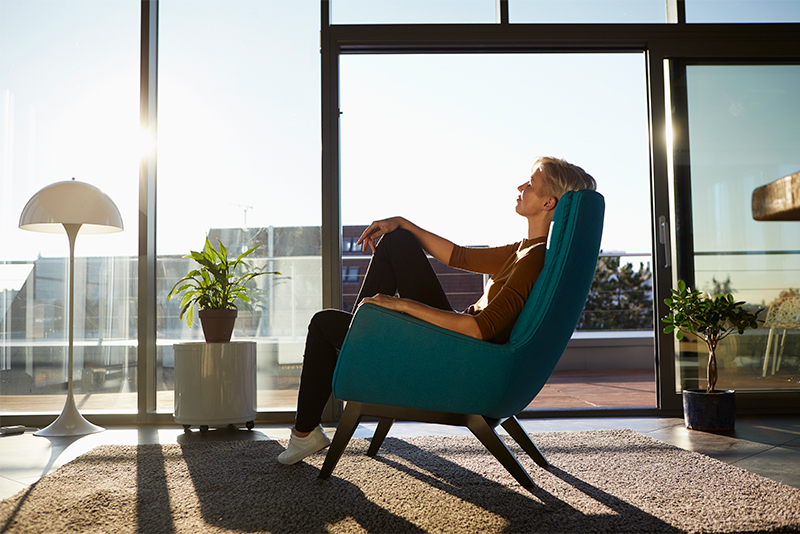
(394, 359)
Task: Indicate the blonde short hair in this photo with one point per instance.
(561, 176)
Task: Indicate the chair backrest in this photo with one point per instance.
(554, 306)
(784, 314)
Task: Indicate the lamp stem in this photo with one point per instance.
(70, 422)
(72, 234)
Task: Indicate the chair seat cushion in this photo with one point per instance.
(440, 370)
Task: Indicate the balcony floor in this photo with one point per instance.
(598, 388)
(595, 388)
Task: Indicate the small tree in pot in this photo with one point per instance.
(215, 288)
(710, 319)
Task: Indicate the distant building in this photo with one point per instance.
(462, 288)
(33, 324)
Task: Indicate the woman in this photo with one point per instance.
(401, 278)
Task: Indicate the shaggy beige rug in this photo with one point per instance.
(600, 481)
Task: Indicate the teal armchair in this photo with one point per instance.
(395, 367)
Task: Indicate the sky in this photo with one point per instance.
(444, 140)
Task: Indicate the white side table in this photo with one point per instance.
(215, 384)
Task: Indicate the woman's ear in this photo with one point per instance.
(551, 203)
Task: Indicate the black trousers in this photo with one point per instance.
(399, 266)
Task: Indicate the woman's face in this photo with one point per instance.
(529, 201)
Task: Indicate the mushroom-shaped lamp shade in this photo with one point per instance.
(71, 202)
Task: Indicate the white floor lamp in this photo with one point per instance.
(73, 207)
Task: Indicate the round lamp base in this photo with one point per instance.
(69, 423)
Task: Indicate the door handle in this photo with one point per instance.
(663, 239)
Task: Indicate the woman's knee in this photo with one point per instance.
(325, 319)
(328, 327)
(400, 239)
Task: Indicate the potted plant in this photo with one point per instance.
(710, 319)
(215, 288)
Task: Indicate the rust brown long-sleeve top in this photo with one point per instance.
(514, 269)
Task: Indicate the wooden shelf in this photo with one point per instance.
(778, 200)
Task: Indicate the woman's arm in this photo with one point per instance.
(484, 260)
(438, 247)
(461, 323)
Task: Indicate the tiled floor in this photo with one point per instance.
(769, 446)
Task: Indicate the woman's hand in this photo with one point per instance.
(375, 230)
(384, 301)
(438, 247)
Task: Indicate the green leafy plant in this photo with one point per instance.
(219, 282)
(710, 319)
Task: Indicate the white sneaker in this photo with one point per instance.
(299, 448)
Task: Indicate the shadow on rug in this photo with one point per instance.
(600, 481)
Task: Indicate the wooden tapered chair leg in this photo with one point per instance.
(487, 435)
(516, 431)
(344, 431)
(384, 425)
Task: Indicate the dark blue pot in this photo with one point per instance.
(709, 411)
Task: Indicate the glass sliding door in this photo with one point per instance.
(238, 161)
(743, 123)
(445, 140)
(69, 81)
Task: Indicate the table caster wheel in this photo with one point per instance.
(187, 428)
(203, 428)
(250, 425)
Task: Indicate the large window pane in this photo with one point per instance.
(238, 160)
(446, 139)
(69, 76)
(744, 123)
